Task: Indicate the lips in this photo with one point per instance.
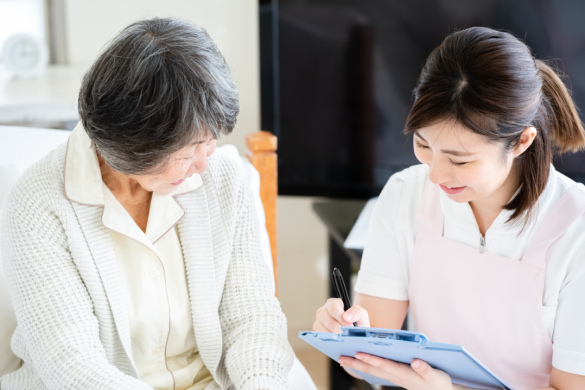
(452, 190)
(178, 182)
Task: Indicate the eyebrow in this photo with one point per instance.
(457, 153)
(201, 141)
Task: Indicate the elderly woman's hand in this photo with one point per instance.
(416, 376)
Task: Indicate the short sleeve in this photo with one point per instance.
(568, 337)
(385, 266)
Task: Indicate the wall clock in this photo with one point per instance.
(24, 55)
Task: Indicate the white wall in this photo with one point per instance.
(233, 25)
(303, 263)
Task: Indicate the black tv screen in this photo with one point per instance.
(337, 79)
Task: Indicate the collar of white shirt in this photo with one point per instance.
(84, 185)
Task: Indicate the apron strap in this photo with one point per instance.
(567, 210)
(430, 215)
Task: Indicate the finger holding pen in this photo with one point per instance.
(338, 312)
(331, 317)
(357, 315)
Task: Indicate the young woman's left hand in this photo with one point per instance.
(415, 376)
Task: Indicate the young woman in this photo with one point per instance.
(485, 242)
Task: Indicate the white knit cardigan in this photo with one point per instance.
(69, 300)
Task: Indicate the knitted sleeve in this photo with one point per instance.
(57, 333)
(257, 352)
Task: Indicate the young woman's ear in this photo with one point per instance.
(526, 139)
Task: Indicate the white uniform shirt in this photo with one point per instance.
(385, 267)
(152, 267)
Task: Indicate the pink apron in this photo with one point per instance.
(489, 304)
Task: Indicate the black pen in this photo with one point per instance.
(340, 289)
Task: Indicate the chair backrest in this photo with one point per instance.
(20, 147)
(262, 146)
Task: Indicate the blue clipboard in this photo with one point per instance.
(403, 346)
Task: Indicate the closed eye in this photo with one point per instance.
(457, 164)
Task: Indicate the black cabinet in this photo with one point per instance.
(339, 217)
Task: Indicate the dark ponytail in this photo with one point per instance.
(489, 82)
(565, 127)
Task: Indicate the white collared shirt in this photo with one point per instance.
(152, 267)
(385, 267)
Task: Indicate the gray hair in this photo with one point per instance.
(156, 87)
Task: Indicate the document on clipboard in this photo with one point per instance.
(404, 346)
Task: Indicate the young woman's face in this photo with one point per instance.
(182, 165)
(466, 166)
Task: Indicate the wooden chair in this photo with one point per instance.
(261, 152)
(262, 146)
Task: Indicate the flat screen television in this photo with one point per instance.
(337, 79)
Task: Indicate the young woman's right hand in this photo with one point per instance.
(331, 317)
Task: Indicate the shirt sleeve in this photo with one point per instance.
(385, 266)
(257, 352)
(568, 337)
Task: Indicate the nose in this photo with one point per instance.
(199, 165)
(439, 172)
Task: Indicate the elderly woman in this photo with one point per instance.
(132, 253)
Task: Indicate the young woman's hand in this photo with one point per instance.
(331, 317)
(415, 376)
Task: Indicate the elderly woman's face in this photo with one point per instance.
(183, 164)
